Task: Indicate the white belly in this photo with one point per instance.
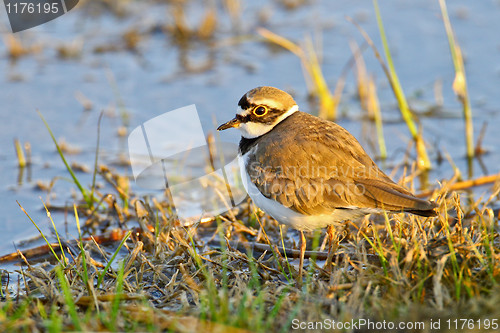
(288, 216)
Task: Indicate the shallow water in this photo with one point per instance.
(150, 81)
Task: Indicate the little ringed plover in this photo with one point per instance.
(308, 172)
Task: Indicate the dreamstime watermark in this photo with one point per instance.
(26, 14)
(170, 152)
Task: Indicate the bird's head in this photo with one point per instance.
(259, 110)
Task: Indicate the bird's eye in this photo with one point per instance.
(260, 111)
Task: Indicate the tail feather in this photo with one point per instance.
(393, 197)
(424, 213)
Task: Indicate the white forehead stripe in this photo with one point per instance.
(271, 103)
(242, 112)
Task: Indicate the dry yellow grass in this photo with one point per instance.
(403, 268)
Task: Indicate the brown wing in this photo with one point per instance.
(318, 173)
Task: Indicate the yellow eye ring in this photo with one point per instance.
(260, 111)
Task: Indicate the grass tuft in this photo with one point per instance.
(68, 298)
(113, 257)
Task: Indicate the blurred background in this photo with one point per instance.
(135, 60)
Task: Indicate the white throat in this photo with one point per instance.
(253, 130)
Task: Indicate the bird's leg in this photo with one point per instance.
(302, 245)
(331, 235)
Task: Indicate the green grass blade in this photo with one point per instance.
(88, 199)
(41, 233)
(68, 298)
(115, 307)
(460, 82)
(55, 323)
(377, 247)
(311, 65)
(274, 251)
(96, 155)
(85, 275)
(388, 227)
(103, 273)
(21, 159)
(398, 90)
(423, 159)
(283, 245)
(49, 215)
(273, 313)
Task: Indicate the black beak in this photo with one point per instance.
(235, 122)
